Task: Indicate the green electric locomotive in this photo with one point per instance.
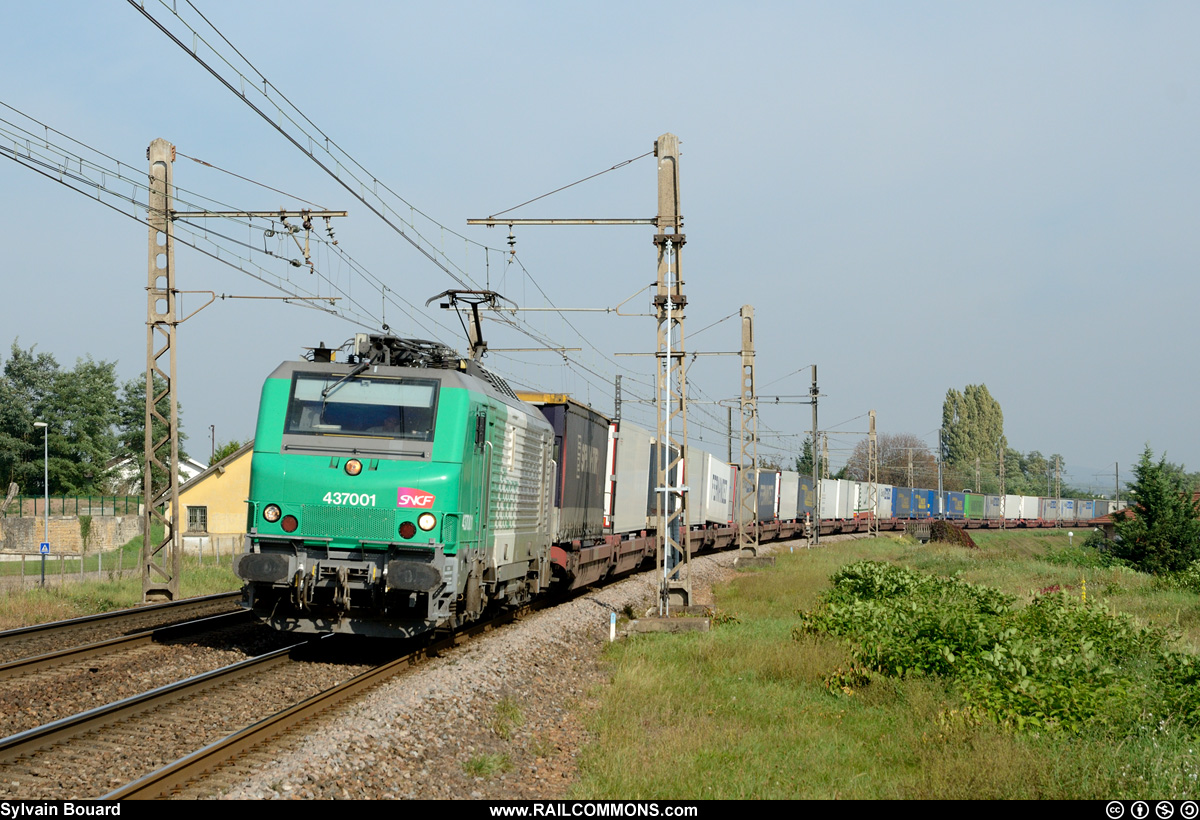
(402, 491)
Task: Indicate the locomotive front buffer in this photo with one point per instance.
(378, 589)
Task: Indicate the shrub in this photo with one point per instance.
(1054, 664)
(946, 533)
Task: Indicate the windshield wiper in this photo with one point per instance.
(329, 390)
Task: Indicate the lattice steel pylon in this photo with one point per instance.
(674, 546)
(872, 481)
(747, 491)
(1057, 495)
(1003, 497)
(161, 557)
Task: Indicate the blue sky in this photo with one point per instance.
(915, 196)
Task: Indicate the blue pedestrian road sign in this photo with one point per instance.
(45, 547)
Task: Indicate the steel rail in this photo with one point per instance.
(24, 666)
(171, 778)
(117, 614)
(34, 740)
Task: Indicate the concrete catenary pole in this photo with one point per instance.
(160, 483)
(748, 461)
(815, 530)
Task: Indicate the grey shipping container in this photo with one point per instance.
(768, 480)
(580, 446)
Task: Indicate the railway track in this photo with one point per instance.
(43, 639)
(72, 654)
(187, 776)
(36, 689)
(87, 754)
(155, 743)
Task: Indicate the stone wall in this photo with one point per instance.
(23, 535)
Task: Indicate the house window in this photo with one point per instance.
(197, 519)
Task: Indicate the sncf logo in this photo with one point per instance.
(408, 497)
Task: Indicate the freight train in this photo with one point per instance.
(408, 490)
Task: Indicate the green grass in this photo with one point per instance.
(488, 765)
(747, 711)
(506, 718)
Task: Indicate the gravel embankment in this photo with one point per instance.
(510, 699)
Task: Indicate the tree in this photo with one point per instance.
(228, 448)
(131, 424)
(972, 427)
(804, 461)
(80, 407)
(1159, 532)
(84, 409)
(894, 451)
(25, 397)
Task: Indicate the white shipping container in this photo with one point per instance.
(710, 488)
(830, 490)
(847, 498)
(883, 504)
(789, 489)
(632, 485)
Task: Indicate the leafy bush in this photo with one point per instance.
(1188, 578)
(901, 622)
(1055, 663)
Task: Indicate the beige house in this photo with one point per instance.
(213, 504)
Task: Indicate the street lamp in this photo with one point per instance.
(46, 489)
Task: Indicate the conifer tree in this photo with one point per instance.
(1159, 531)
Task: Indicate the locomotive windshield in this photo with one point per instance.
(363, 406)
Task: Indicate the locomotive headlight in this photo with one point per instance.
(272, 513)
(426, 521)
(353, 467)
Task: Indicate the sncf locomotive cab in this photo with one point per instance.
(371, 508)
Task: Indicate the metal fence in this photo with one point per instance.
(35, 505)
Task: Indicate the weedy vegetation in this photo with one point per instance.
(488, 765)
(887, 669)
(507, 717)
